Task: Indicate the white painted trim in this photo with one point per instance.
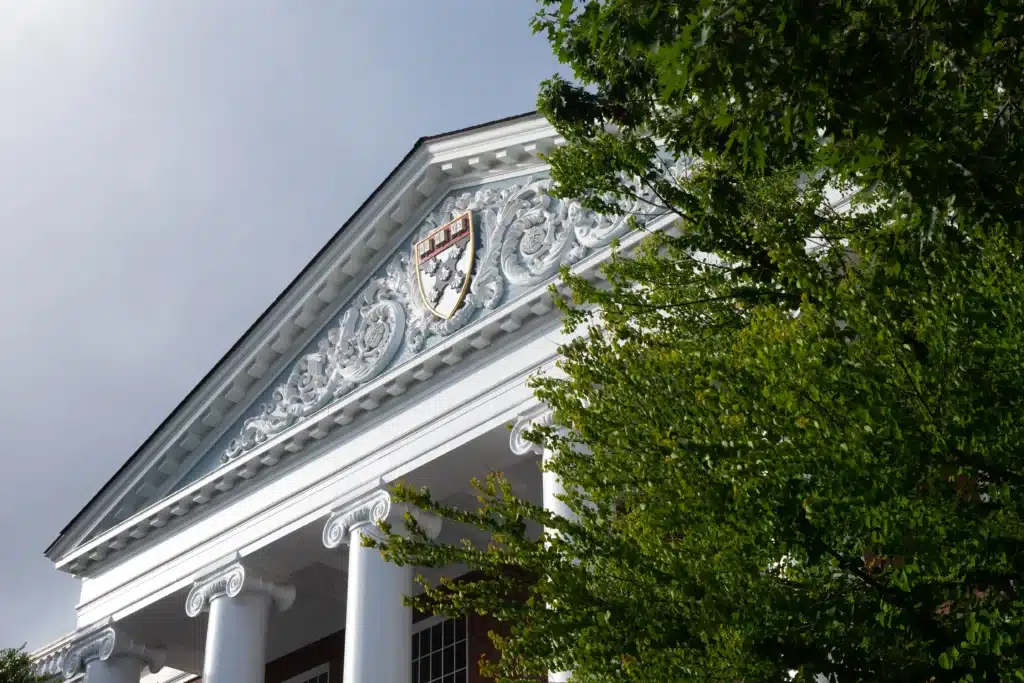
(406, 190)
(469, 342)
(424, 624)
(480, 390)
(329, 317)
(483, 398)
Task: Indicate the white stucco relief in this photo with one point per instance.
(526, 235)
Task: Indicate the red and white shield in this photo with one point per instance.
(444, 264)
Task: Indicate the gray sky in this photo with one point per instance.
(166, 168)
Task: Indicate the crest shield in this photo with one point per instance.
(444, 265)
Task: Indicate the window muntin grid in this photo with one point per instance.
(318, 674)
(440, 651)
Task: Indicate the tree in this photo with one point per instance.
(791, 433)
(16, 667)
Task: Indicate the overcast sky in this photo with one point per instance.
(166, 168)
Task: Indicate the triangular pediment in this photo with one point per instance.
(462, 239)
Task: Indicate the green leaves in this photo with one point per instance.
(794, 432)
(16, 667)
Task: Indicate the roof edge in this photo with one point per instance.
(225, 359)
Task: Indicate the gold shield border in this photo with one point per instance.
(469, 274)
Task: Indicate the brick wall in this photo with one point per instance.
(331, 649)
(326, 650)
(480, 644)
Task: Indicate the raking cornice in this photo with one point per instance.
(475, 154)
(519, 316)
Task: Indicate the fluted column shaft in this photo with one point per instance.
(236, 635)
(378, 626)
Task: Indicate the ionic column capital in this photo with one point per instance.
(106, 642)
(369, 511)
(231, 581)
(540, 416)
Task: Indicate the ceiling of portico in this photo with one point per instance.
(319, 574)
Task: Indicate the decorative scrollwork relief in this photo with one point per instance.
(525, 235)
(354, 351)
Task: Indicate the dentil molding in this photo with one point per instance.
(366, 513)
(105, 643)
(231, 581)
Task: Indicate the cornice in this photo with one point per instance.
(468, 401)
(461, 347)
(309, 302)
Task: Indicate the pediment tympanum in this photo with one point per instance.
(474, 269)
(517, 235)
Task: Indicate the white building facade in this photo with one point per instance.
(227, 547)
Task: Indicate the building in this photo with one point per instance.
(227, 546)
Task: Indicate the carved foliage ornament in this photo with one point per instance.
(104, 643)
(436, 287)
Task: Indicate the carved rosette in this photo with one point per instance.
(104, 643)
(365, 514)
(231, 581)
(542, 416)
(525, 236)
(539, 237)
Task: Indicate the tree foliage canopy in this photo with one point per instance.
(16, 667)
(793, 433)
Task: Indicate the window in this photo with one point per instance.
(319, 674)
(439, 651)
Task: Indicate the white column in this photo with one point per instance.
(551, 483)
(378, 626)
(109, 656)
(236, 634)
